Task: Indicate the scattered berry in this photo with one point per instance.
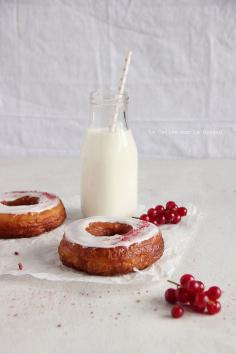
(175, 208)
(152, 220)
(186, 278)
(152, 213)
(213, 307)
(170, 205)
(214, 293)
(195, 286)
(199, 309)
(144, 217)
(170, 296)
(201, 286)
(176, 219)
(182, 211)
(201, 300)
(159, 209)
(182, 295)
(191, 292)
(161, 220)
(191, 299)
(169, 215)
(177, 311)
(160, 215)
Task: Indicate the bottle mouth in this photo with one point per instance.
(109, 97)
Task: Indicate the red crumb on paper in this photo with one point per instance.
(16, 253)
(20, 265)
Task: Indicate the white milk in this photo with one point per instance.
(109, 173)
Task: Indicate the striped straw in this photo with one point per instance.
(121, 87)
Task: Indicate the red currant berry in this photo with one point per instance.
(186, 278)
(182, 295)
(159, 209)
(201, 300)
(201, 286)
(176, 219)
(152, 213)
(161, 220)
(170, 205)
(191, 299)
(170, 295)
(214, 292)
(144, 217)
(199, 309)
(213, 307)
(152, 219)
(182, 211)
(175, 208)
(169, 215)
(195, 286)
(177, 311)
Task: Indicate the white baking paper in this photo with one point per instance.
(39, 255)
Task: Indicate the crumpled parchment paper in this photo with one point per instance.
(39, 255)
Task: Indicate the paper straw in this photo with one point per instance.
(121, 87)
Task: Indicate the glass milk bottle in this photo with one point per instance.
(109, 159)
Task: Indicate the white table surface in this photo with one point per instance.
(127, 319)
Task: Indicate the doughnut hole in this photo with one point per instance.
(26, 200)
(108, 228)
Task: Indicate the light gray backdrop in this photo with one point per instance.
(182, 80)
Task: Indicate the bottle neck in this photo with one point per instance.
(105, 106)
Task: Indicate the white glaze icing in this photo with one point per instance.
(142, 230)
(46, 201)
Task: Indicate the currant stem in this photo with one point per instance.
(211, 302)
(173, 282)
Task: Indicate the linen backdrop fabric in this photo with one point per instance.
(181, 80)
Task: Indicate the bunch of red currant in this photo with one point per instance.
(192, 293)
(160, 215)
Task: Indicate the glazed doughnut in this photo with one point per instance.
(27, 214)
(110, 246)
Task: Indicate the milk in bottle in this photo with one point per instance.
(109, 160)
